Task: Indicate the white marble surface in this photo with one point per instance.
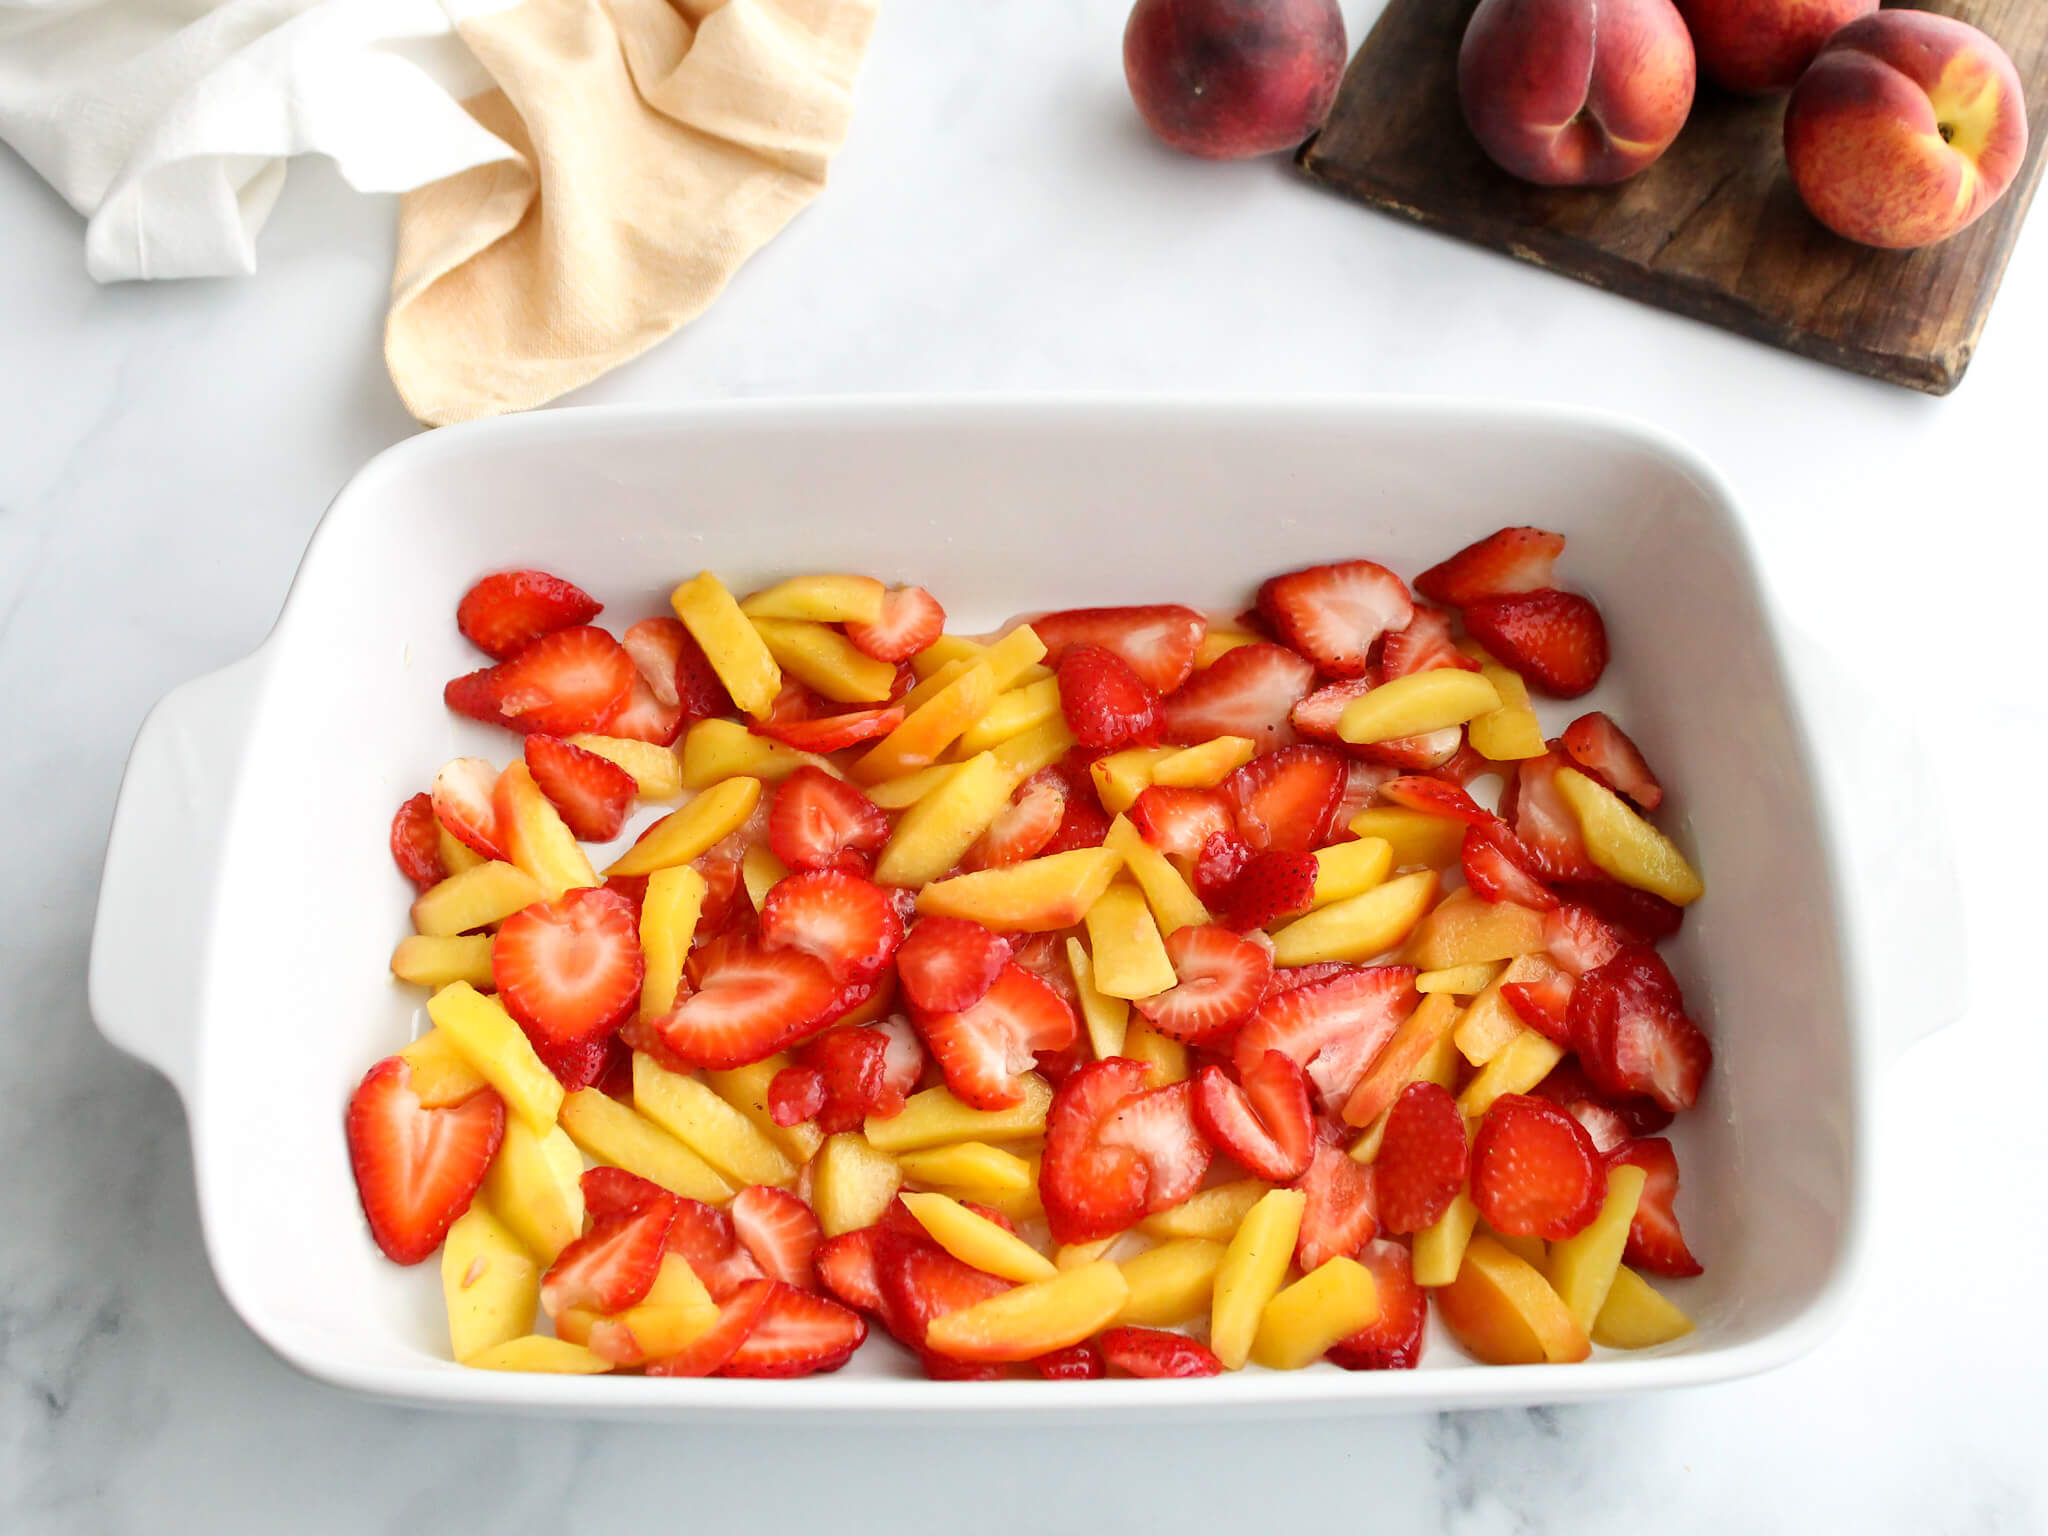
(999, 222)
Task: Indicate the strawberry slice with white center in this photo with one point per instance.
(1105, 703)
(1499, 868)
(1091, 1190)
(1158, 1125)
(831, 733)
(706, 1238)
(1157, 642)
(678, 675)
(1025, 825)
(985, 1049)
(593, 793)
(1546, 824)
(1222, 977)
(1655, 1243)
(610, 1193)
(463, 801)
(417, 1168)
(1644, 918)
(1534, 1170)
(509, 610)
(1556, 640)
(797, 1334)
(1333, 614)
(1333, 1029)
(612, 1266)
(751, 1000)
(1578, 940)
(1604, 750)
(1427, 753)
(569, 969)
(1423, 646)
(1315, 716)
(1542, 1003)
(918, 1281)
(1507, 560)
(572, 680)
(1250, 690)
(1264, 1122)
(948, 963)
(1393, 1342)
(911, 620)
(709, 1352)
(846, 1268)
(1434, 797)
(847, 922)
(643, 717)
(902, 1064)
(416, 842)
(1340, 1217)
(1629, 1027)
(1284, 800)
(1178, 821)
(780, 1232)
(814, 819)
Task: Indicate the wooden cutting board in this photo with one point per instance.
(1713, 230)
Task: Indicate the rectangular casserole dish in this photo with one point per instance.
(249, 902)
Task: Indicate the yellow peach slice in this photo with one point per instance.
(1249, 1275)
(1582, 1267)
(657, 772)
(934, 833)
(1165, 1056)
(1459, 980)
(1351, 869)
(1439, 1248)
(534, 1186)
(1417, 704)
(1033, 1319)
(852, 1182)
(934, 1118)
(904, 791)
(1039, 747)
(823, 659)
(688, 833)
(1123, 776)
(480, 1028)
(1012, 660)
(1320, 1309)
(441, 1074)
(821, 599)
(1123, 938)
(1516, 1067)
(1502, 1311)
(1036, 895)
(436, 961)
(1636, 1317)
(1215, 1213)
(1218, 641)
(930, 728)
(760, 872)
(456, 855)
(976, 1240)
(1011, 714)
(1417, 838)
(746, 1090)
(717, 750)
(538, 1353)
(612, 1133)
(730, 642)
(1464, 930)
(1172, 1284)
(968, 1165)
(536, 838)
(1512, 731)
(668, 923)
(1489, 1021)
(1207, 765)
(1107, 1019)
(726, 1139)
(1401, 1058)
(481, 895)
(1358, 927)
(1173, 902)
(489, 1281)
(1626, 846)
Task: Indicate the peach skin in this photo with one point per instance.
(1575, 92)
(1761, 47)
(1905, 129)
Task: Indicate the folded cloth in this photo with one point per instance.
(592, 173)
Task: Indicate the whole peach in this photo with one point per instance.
(1905, 129)
(1575, 92)
(1228, 79)
(1760, 47)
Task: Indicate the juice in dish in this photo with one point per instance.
(1130, 991)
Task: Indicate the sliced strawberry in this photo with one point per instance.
(1284, 800)
(656, 646)
(643, 717)
(1534, 1170)
(1603, 749)
(918, 1281)
(1286, 978)
(592, 793)
(1333, 1028)
(1083, 825)
(846, 1068)
(847, 922)
(1629, 1027)
(1428, 753)
(1025, 825)
(1077, 1362)
(1271, 887)
(698, 691)
(1249, 690)
(903, 1062)
(1554, 639)
(1609, 1122)
(572, 680)
(1341, 1214)
(1222, 977)
(1315, 715)
(751, 1000)
(416, 1168)
(1178, 821)
(1362, 781)
(1423, 646)
(705, 1238)
(1422, 1160)
(1158, 1125)
(1546, 824)
(612, 1266)
(1091, 1190)
(727, 907)
(475, 694)
(948, 963)
(1434, 797)
(1541, 1004)
(911, 620)
(463, 803)
(1333, 614)
(1508, 560)
(1105, 703)
(780, 1232)
(796, 1094)
(1157, 1352)
(1579, 941)
(1158, 643)
(569, 970)
(1266, 1123)
(1044, 955)
(1394, 1341)
(504, 613)
(830, 733)
(416, 842)
(1640, 916)
(708, 1354)
(1499, 868)
(846, 1267)
(612, 1193)
(797, 1334)
(1655, 1243)
(1464, 766)
(1223, 858)
(814, 819)
(985, 1049)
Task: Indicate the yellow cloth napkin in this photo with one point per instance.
(662, 143)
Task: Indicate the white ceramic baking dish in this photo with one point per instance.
(249, 902)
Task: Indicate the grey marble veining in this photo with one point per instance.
(997, 223)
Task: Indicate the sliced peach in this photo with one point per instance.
(435, 961)
(534, 1187)
(852, 1182)
(1012, 660)
(1401, 1058)
(1207, 765)
(1459, 980)
(1039, 747)
(1417, 838)
(1172, 1284)
(1173, 902)
(687, 833)
(1636, 1316)
(1502, 1311)
(934, 833)
(1253, 1265)
(1123, 938)
(668, 924)
(1440, 1066)
(1106, 1019)
(1439, 1248)
(1215, 1213)
(441, 1074)
(489, 1281)
(904, 791)
(1530, 1250)
(1489, 1021)
(1074, 1255)
(934, 1118)
(1351, 869)
(536, 838)
(1033, 1319)
(1626, 846)
(1512, 731)
(821, 599)
(1165, 1057)
(1216, 642)
(478, 897)
(1516, 1067)
(718, 750)
(538, 1353)
(1012, 713)
(930, 728)
(746, 1090)
(649, 1331)
(1320, 1309)
(1036, 896)
(823, 659)
(456, 855)
(726, 1139)
(613, 1133)
(968, 1165)
(976, 1240)
(1359, 927)
(730, 642)
(760, 872)
(1582, 1267)
(480, 1028)
(657, 772)
(1464, 930)
(1417, 704)
(1123, 776)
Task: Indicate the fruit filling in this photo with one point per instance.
(1125, 993)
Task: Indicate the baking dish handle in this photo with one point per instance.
(163, 861)
(1899, 890)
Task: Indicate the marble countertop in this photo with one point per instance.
(998, 222)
